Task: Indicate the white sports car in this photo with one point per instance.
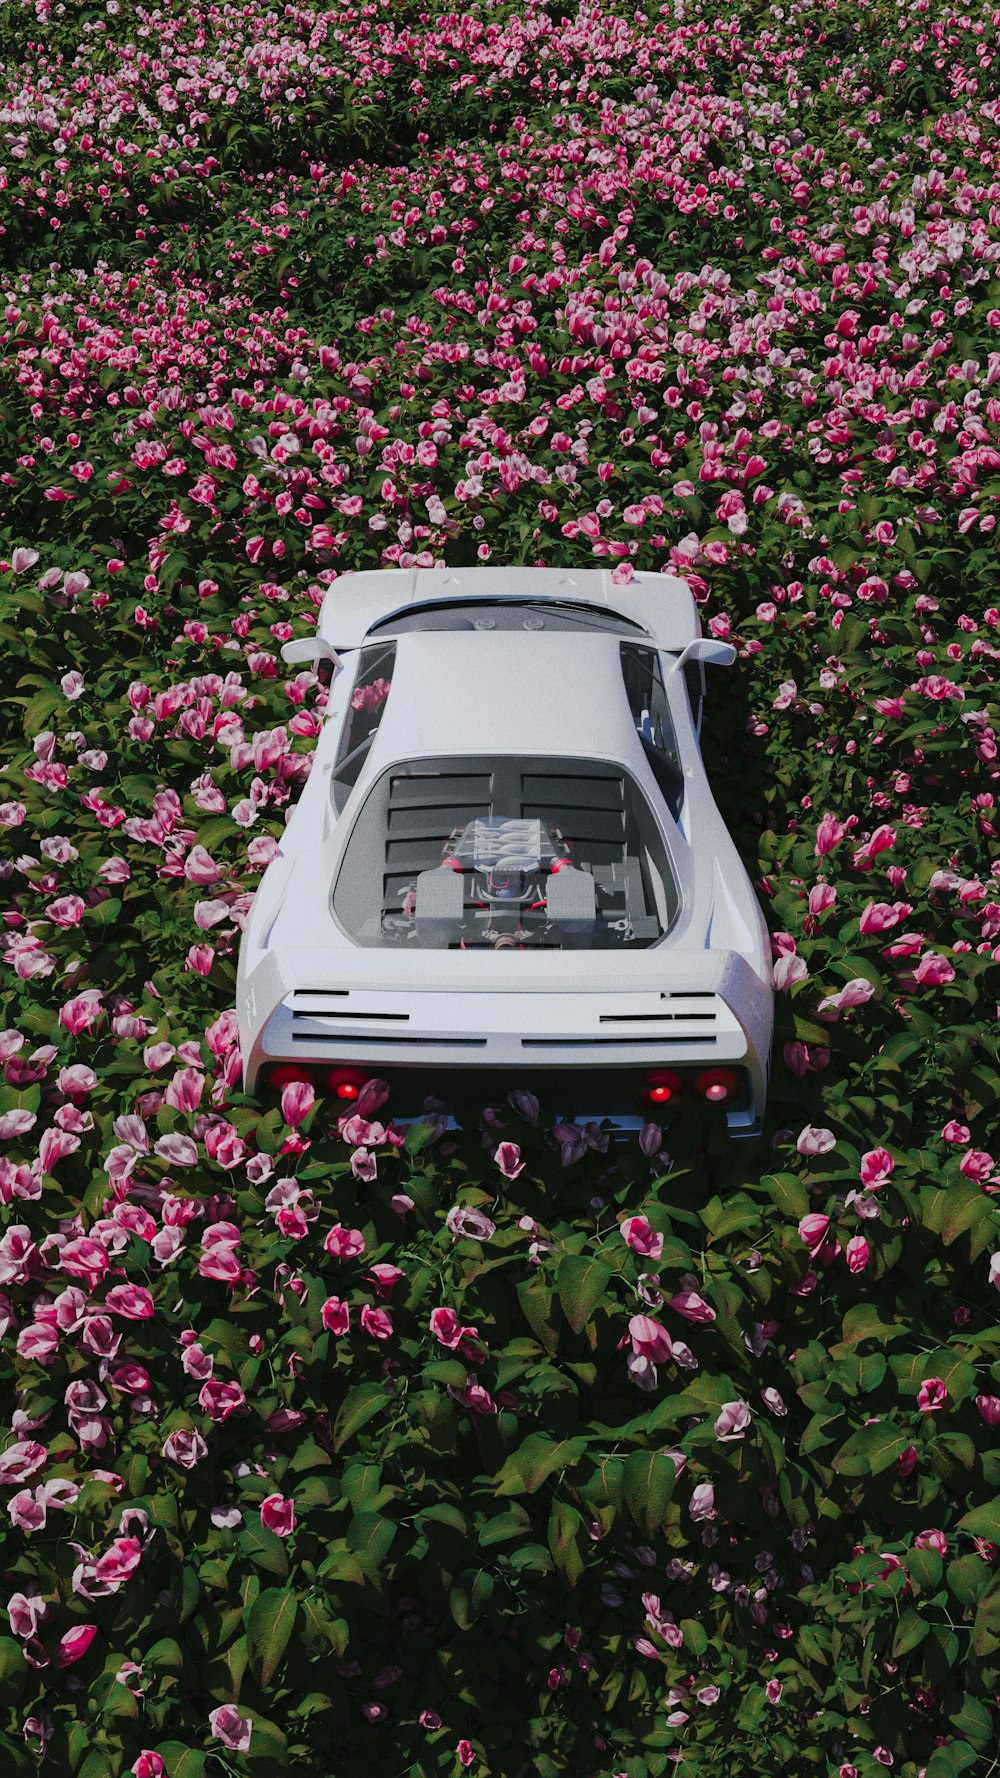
(506, 868)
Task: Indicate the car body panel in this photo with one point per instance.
(701, 993)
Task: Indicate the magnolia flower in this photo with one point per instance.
(229, 1727)
(472, 1224)
(732, 1421)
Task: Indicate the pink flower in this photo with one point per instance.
(931, 1540)
(336, 1316)
(856, 1253)
(876, 1167)
(465, 1750)
(772, 1690)
(26, 1611)
(702, 1502)
(149, 1765)
(813, 1140)
(446, 1327)
(472, 1224)
(221, 1399)
(200, 867)
(297, 1100)
(74, 1645)
(508, 1159)
(934, 970)
(641, 1238)
(989, 1409)
(229, 1727)
(692, 1306)
(343, 1243)
(829, 834)
(854, 993)
(121, 1560)
(732, 1421)
(931, 1395)
(278, 1515)
(813, 1230)
(130, 1301)
(649, 1339)
(377, 1322)
(185, 1448)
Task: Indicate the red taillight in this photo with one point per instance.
(283, 1074)
(717, 1085)
(662, 1087)
(343, 1083)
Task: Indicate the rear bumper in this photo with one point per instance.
(585, 1055)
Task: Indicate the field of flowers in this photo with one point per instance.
(336, 1448)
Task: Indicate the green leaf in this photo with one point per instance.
(358, 1407)
(270, 1622)
(565, 1527)
(870, 1451)
(649, 1485)
(910, 1631)
(470, 1594)
(982, 1521)
(181, 1761)
(503, 1526)
(536, 1459)
(581, 1283)
(788, 1194)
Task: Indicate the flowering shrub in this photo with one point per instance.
(336, 1446)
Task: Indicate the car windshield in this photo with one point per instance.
(507, 614)
(506, 853)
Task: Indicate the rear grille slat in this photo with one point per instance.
(537, 1043)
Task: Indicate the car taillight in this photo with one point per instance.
(283, 1074)
(717, 1085)
(343, 1083)
(662, 1087)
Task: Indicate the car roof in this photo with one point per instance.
(662, 604)
(504, 691)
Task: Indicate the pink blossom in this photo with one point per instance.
(377, 1322)
(732, 1421)
(813, 1230)
(931, 1395)
(933, 970)
(297, 1100)
(692, 1306)
(201, 868)
(149, 1765)
(702, 1505)
(221, 1399)
(229, 1727)
(26, 1612)
(829, 834)
(336, 1316)
(186, 1448)
(856, 1253)
(278, 1515)
(74, 1645)
(641, 1238)
(989, 1409)
(876, 1167)
(649, 1339)
(344, 1243)
(813, 1140)
(508, 1159)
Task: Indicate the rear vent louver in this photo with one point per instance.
(589, 804)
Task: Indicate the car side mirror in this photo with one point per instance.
(311, 649)
(707, 649)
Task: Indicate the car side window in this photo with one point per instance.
(694, 680)
(368, 696)
(647, 698)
